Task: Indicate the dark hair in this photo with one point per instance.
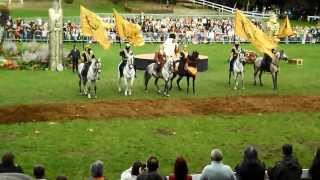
(38, 171)
(314, 170)
(136, 168)
(250, 155)
(61, 178)
(287, 149)
(180, 168)
(8, 159)
(152, 164)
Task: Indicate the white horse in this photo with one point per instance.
(88, 81)
(165, 74)
(128, 76)
(238, 70)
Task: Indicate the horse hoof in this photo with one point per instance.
(95, 97)
(89, 96)
(234, 88)
(243, 88)
(159, 92)
(119, 90)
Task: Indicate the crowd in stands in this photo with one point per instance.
(250, 168)
(155, 29)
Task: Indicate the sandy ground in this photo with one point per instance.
(155, 108)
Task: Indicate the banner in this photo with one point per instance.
(127, 30)
(93, 26)
(285, 29)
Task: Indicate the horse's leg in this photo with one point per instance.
(131, 86)
(260, 74)
(89, 89)
(242, 80)
(80, 86)
(178, 82)
(229, 77)
(165, 89)
(85, 87)
(95, 89)
(171, 80)
(147, 77)
(156, 83)
(255, 75)
(193, 85)
(188, 84)
(125, 86)
(276, 79)
(235, 75)
(119, 84)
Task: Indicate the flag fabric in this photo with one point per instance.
(245, 29)
(127, 30)
(92, 25)
(285, 29)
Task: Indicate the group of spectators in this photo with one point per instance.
(250, 168)
(155, 29)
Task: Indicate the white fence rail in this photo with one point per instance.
(229, 9)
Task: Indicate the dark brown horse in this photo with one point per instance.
(186, 67)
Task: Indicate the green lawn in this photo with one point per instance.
(26, 87)
(69, 148)
(36, 8)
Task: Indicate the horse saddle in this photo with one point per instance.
(85, 69)
(265, 65)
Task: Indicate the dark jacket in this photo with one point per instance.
(250, 170)
(10, 168)
(74, 54)
(314, 171)
(151, 176)
(287, 169)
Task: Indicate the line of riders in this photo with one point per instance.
(184, 64)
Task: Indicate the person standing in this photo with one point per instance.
(75, 56)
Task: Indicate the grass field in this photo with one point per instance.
(69, 148)
(26, 87)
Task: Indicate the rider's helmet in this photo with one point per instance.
(128, 46)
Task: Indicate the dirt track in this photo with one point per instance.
(156, 108)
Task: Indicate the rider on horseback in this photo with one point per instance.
(267, 60)
(159, 58)
(86, 55)
(125, 55)
(234, 54)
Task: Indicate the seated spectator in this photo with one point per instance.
(14, 176)
(251, 168)
(314, 170)
(97, 170)
(288, 168)
(61, 178)
(39, 172)
(133, 172)
(217, 170)
(180, 170)
(152, 174)
(8, 166)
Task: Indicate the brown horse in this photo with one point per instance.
(186, 67)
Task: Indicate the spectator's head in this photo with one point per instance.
(61, 178)
(152, 164)
(180, 168)
(97, 169)
(216, 155)
(250, 154)
(39, 172)
(8, 159)
(287, 149)
(136, 168)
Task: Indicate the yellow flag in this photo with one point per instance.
(93, 26)
(128, 30)
(245, 29)
(285, 29)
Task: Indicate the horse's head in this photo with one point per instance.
(242, 56)
(96, 63)
(169, 63)
(130, 61)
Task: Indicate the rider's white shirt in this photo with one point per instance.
(169, 47)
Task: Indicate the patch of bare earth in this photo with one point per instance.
(156, 108)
